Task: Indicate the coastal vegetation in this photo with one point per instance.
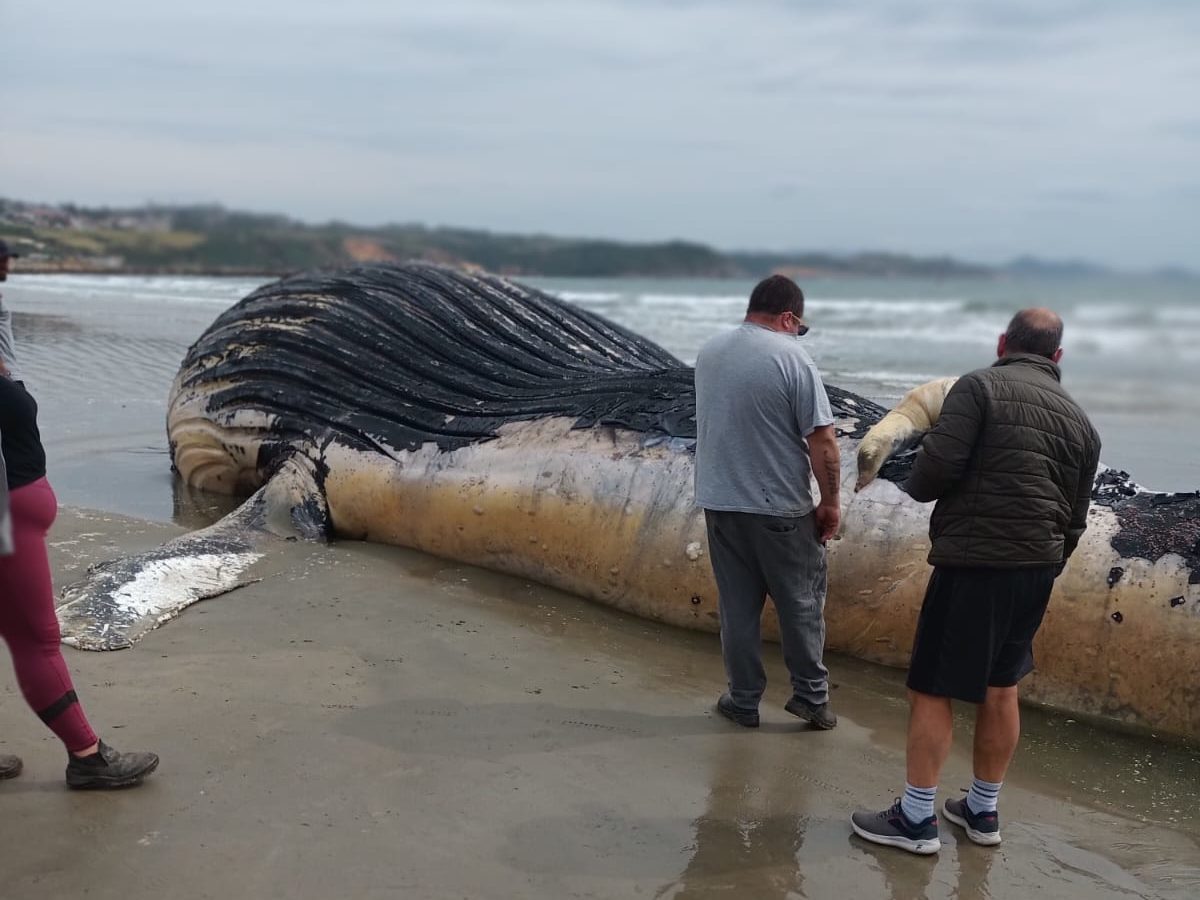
(209, 239)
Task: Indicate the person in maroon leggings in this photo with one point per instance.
(28, 623)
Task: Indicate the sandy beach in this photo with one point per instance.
(371, 722)
(262, 247)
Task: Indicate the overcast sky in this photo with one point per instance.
(983, 129)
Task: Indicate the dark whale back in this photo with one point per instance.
(381, 356)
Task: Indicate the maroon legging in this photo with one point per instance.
(28, 623)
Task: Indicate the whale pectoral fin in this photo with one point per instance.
(886, 438)
(293, 502)
(901, 429)
(874, 449)
(924, 403)
(120, 600)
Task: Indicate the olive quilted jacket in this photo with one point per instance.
(1010, 463)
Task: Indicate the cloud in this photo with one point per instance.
(921, 126)
(1083, 197)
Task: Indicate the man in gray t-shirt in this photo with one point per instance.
(763, 429)
(8, 357)
(8, 363)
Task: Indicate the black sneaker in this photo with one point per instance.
(892, 829)
(818, 714)
(747, 718)
(10, 766)
(109, 769)
(982, 828)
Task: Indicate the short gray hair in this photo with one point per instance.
(1037, 331)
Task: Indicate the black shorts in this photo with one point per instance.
(976, 629)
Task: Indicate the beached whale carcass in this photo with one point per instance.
(489, 423)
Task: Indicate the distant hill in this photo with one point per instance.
(210, 239)
(872, 264)
(1042, 268)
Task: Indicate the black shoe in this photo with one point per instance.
(109, 768)
(10, 766)
(892, 829)
(982, 828)
(747, 718)
(818, 714)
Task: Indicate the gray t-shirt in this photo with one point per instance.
(8, 357)
(758, 396)
(8, 353)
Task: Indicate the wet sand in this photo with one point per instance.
(370, 722)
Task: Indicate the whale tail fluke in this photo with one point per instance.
(120, 600)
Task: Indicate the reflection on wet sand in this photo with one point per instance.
(763, 834)
(748, 840)
(906, 877)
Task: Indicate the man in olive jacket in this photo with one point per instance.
(1010, 462)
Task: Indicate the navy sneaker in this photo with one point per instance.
(891, 828)
(982, 828)
(747, 718)
(816, 714)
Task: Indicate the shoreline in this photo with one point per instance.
(150, 271)
(994, 277)
(249, 272)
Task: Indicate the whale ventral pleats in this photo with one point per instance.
(391, 357)
(397, 356)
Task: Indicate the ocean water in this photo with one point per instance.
(100, 353)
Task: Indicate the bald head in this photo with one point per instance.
(1037, 331)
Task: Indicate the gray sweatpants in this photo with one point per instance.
(6, 544)
(753, 556)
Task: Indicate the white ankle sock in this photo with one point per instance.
(917, 802)
(983, 795)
